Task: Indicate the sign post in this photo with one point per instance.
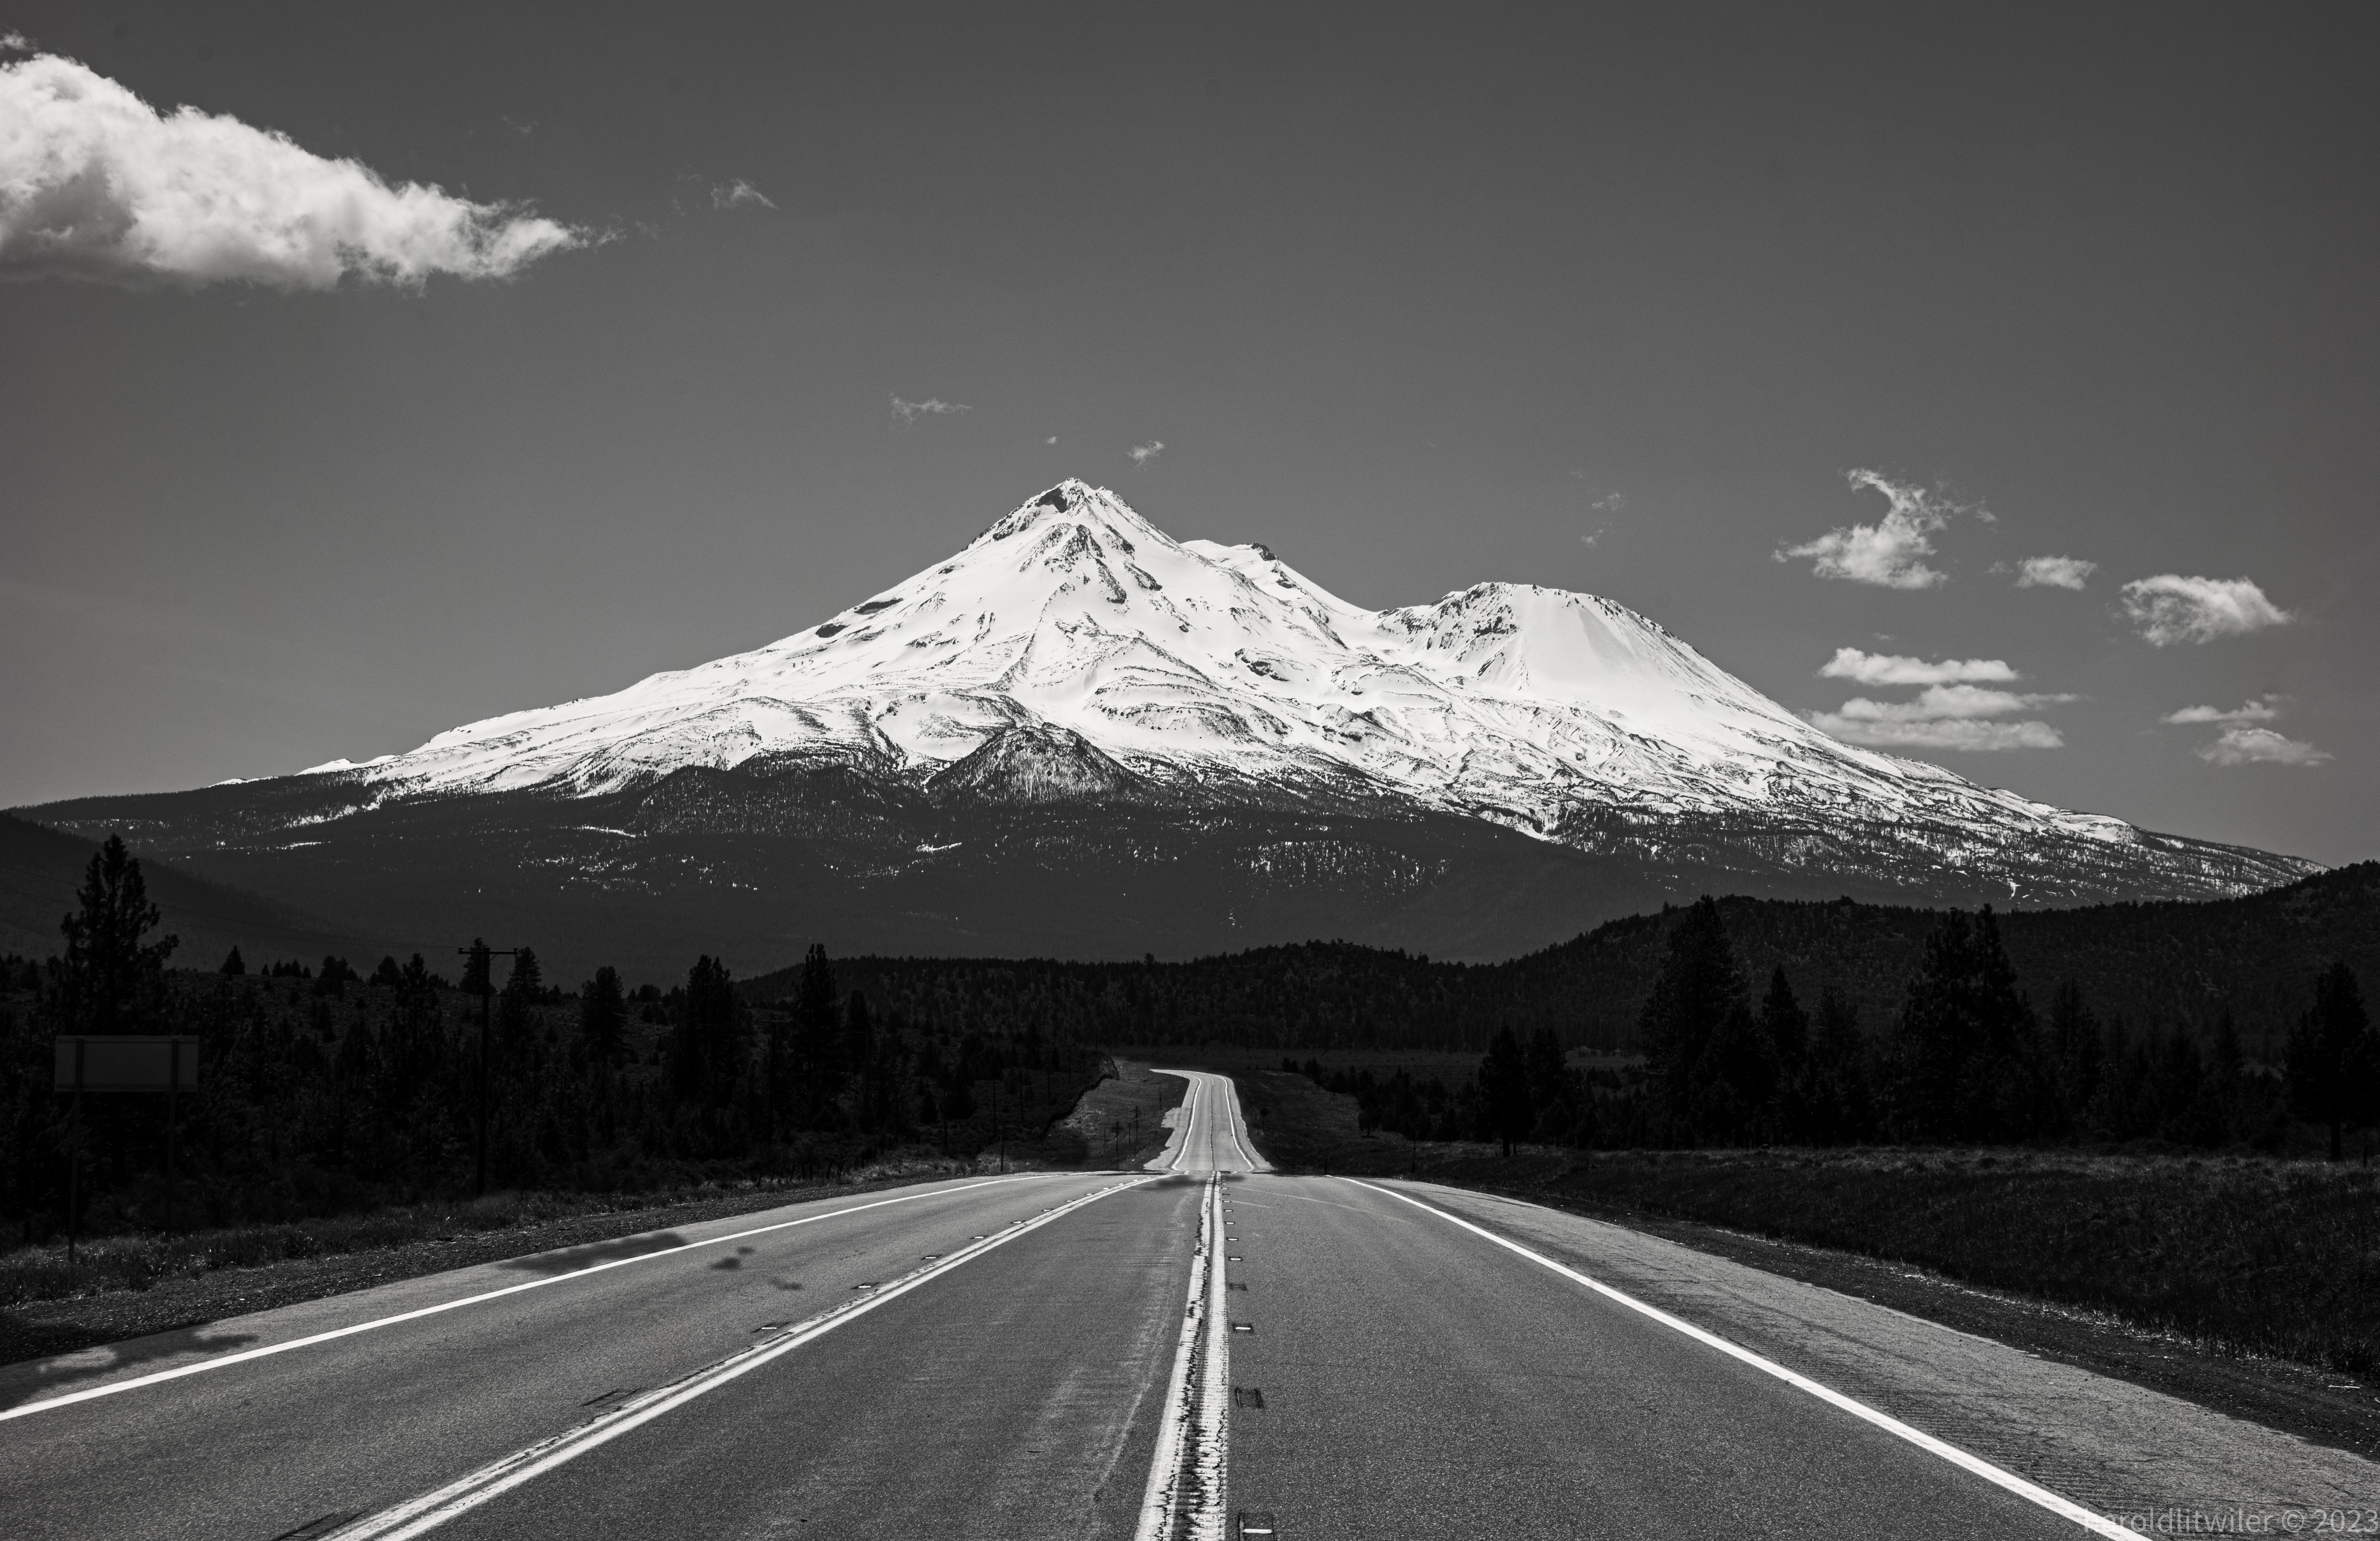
(120, 1062)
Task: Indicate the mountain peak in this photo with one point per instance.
(1076, 499)
(1073, 649)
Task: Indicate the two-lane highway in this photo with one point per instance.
(1208, 1133)
(1201, 1349)
(403, 1403)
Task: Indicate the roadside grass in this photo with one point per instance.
(112, 1265)
(1122, 1120)
(134, 1262)
(108, 1265)
(2231, 1254)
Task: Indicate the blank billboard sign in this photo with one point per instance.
(128, 1063)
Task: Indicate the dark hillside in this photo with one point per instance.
(40, 869)
(2179, 965)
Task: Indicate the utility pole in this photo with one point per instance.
(74, 1166)
(173, 1079)
(483, 954)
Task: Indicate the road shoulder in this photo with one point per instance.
(2112, 1444)
(40, 1330)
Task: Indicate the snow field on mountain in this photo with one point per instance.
(1189, 659)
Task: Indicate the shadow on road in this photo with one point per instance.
(73, 1362)
(572, 1257)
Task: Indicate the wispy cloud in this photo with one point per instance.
(1889, 553)
(2169, 608)
(14, 43)
(1962, 733)
(739, 194)
(2054, 571)
(1143, 454)
(2264, 711)
(1937, 702)
(1945, 716)
(1849, 663)
(96, 183)
(2259, 747)
(932, 406)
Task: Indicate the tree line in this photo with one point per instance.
(323, 1087)
(1965, 1060)
(2174, 968)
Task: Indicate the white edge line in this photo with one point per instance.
(2065, 1509)
(1215, 1415)
(222, 1361)
(1165, 1460)
(1189, 1115)
(1239, 1123)
(420, 1515)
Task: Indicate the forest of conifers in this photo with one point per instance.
(329, 1084)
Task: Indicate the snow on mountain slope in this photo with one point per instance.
(1187, 663)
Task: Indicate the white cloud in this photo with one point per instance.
(1143, 454)
(2264, 711)
(2259, 747)
(1939, 702)
(1945, 716)
(1967, 734)
(739, 194)
(96, 183)
(2054, 571)
(14, 43)
(932, 406)
(1051, 440)
(1889, 552)
(2169, 608)
(1849, 663)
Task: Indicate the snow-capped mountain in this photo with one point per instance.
(1074, 660)
(1193, 664)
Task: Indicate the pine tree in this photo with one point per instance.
(516, 1004)
(415, 1054)
(1838, 1102)
(1785, 1034)
(2075, 1048)
(1784, 1024)
(818, 1036)
(1553, 1090)
(111, 980)
(2331, 1064)
(714, 1027)
(234, 966)
(1963, 1056)
(859, 1055)
(1698, 992)
(602, 1017)
(1504, 1091)
(477, 964)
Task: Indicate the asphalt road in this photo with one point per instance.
(1041, 1356)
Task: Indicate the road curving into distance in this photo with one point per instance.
(1203, 1348)
(1209, 1136)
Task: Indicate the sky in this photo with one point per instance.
(2000, 384)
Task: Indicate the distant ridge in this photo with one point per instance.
(2161, 967)
(40, 869)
